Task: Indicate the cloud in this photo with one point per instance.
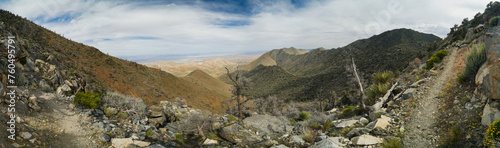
(145, 28)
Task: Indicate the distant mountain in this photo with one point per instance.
(99, 72)
(201, 78)
(299, 74)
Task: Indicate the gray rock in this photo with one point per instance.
(124, 142)
(481, 74)
(366, 140)
(297, 140)
(348, 123)
(104, 137)
(418, 83)
(236, 133)
(357, 132)
(409, 93)
(156, 146)
(491, 83)
(379, 131)
(269, 125)
(280, 146)
(364, 120)
(156, 111)
(490, 114)
(210, 142)
(332, 142)
(33, 103)
(157, 122)
(25, 135)
(101, 127)
(266, 143)
(319, 138)
(99, 112)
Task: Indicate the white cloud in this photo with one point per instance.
(127, 29)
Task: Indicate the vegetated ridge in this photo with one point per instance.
(300, 74)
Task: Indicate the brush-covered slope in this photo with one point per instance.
(332, 69)
(203, 79)
(100, 71)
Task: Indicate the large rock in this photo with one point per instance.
(125, 142)
(378, 123)
(155, 111)
(493, 64)
(297, 140)
(490, 113)
(157, 122)
(409, 93)
(481, 74)
(270, 125)
(236, 133)
(348, 123)
(357, 132)
(332, 142)
(366, 140)
(33, 103)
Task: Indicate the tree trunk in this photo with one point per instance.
(361, 101)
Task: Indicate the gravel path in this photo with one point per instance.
(420, 128)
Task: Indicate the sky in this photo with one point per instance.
(162, 29)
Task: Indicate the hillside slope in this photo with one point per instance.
(331, 69)
(201, 78)
(100, 72)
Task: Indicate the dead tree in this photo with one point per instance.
(361, 101)
(239, 84)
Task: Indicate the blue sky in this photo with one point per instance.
(158, 28)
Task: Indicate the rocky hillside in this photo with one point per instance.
(90, 70)
(330, 69)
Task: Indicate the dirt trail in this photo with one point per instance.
(420, 128)
(67, 128)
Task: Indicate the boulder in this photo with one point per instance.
(357, 132)
(297, 140)
(104, 137)
(378, 123)
(348, 123)
(25, 135)
(124, 142)
(155, 111)
(493, 64)
(366, 140)
(280, 146)
(332, 142)
(237, 133)
(33, 104)
(270, 125)
(481, 74)
(210, 142)
(364, 120)
(490, 113)
(157, 122)
(156, 146)
(409, 93)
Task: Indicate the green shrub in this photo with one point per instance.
(304, 116)
(383, 77)
(392, 143)
(494, 21)
(473, 61)
(149, 133)
(430, 63)
(436, 58)
(122, 115)
(87, 100)
(375, 91)
(308, 136)
(315, 125)
(179, 138)
(214, 136)
(327, 125)
(351, 111)
(492, 133)
(231, 118)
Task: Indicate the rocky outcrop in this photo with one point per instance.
(492, 55)
(332, 142)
